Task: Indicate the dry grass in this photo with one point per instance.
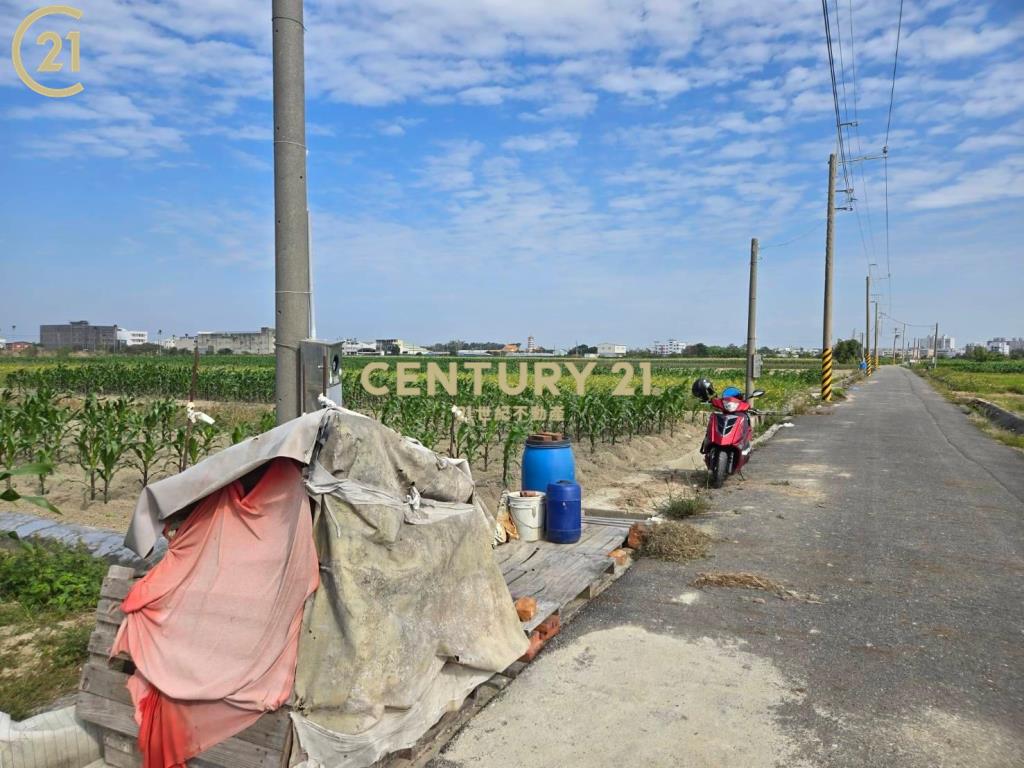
(738, 581)
(677, 542)
(742, 580)
(677, 506)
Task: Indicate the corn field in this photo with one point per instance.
(109, 417)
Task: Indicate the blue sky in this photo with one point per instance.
(579, 171)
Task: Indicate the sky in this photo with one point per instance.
(579, 170)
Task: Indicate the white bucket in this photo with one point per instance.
(528, 514)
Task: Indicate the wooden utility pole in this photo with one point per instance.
(291, 214)
(752, 317)
(826, 328)
(876, 335)
(867, 324)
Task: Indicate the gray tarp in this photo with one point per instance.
(412, 612)
(160, 500)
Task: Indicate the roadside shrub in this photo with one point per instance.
(677, 507)
(51, 577)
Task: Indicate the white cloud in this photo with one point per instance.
(996, 182)
(541, 142)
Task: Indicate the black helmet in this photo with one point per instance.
(703, 389)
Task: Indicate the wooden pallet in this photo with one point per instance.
(104, 701)
(561, 577)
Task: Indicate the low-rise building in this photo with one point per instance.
(399, 347)
(259, 342)
(607, 349)
(126, 338)
(999, 345)
(670, 347)
(80, 336)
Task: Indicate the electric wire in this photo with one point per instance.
(885, 148)
(835, 95)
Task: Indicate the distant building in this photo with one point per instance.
(607, 349)
(946, 346)
(999, 345)
(530, 346)
(259, 342)
(78, 335)
(3, 343)
(356, 347)
(510, 348)
(18, 346)
(670, 347)
(399, 347)
(131, 338)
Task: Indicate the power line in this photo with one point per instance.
(835, 95)
(885, 148)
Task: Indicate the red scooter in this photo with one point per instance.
(726, 445)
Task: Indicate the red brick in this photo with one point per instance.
(638, 533)
(620, 556)
(526, 607)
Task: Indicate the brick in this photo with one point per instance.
(535, 645)
(550, 627)
(526, 607)
(620, 556)
(638, 533)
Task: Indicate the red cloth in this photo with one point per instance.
(213, 628)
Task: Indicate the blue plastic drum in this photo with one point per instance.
(546, 461)
(564, 512)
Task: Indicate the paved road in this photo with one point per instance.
(900, 527)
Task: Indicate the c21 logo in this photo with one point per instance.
(50, 62)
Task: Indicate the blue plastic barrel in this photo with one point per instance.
(563, 515)
(546, 461)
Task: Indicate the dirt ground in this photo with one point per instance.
(631, 476)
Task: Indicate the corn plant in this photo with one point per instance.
(151, 429)
(9, 494)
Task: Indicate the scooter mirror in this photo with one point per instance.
(757, 393)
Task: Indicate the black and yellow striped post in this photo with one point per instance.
(826, 374)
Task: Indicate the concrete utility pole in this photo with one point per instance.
(876, 335)
(904, 355)
(935, 347)
(895, 336)
(867, 323)
(826, 327)
(291, 215)
(752, 317)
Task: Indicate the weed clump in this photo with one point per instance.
(676, 542)
(678, 507)
(50, 577)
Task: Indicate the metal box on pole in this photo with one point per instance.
(320, 372)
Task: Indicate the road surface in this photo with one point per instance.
(899, 529)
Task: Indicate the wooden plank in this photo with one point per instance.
(108, 611)
(120, 718)
(115, 589)
(270, 731)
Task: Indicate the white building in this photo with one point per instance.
(607, 349)
(356, 347)
(3, 343)
(999, 345)
(131, 338)
(259, 342)
(670, 347)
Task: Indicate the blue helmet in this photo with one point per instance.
(731, 392)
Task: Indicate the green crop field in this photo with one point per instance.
(119, 414)
(999, 381)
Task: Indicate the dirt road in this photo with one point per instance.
(900, 529)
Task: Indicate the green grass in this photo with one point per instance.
(48, 594)
(678, 507)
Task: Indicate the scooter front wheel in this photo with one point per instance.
(719, 469)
